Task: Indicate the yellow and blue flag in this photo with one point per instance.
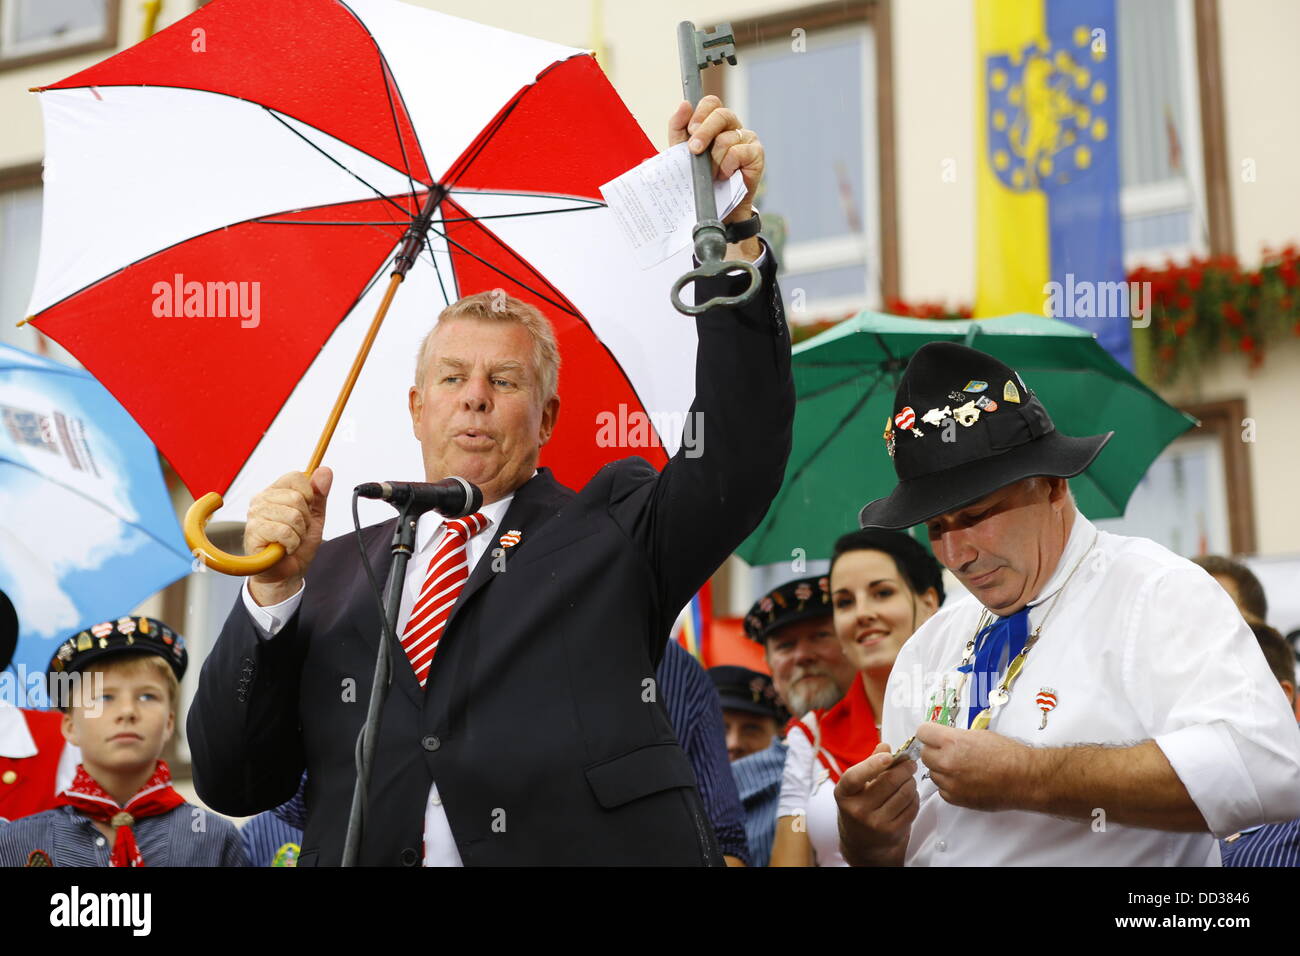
(1049, 225)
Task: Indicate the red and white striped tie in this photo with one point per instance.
(446, 577)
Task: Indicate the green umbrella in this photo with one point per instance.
(845, 379)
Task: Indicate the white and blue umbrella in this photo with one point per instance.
(87, 528)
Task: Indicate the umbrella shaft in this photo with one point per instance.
(353, 374)
(415, 234)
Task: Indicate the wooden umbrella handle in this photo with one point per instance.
(196, 519)
(242, 565)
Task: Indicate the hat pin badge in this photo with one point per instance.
(1046, 701)
(935, 416)
(510, 538)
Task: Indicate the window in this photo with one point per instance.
(808, 81)
(1196, 497)
(32, 31)
(1162, 196)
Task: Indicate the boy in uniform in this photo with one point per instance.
(119, 707)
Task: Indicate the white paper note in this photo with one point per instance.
(654, 204)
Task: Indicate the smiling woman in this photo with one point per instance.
(884, 585)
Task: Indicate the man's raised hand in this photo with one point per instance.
(290, 513)
(711, 126)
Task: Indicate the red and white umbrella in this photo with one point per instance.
(225, 200)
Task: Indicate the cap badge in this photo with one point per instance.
(986, 404)
(935, 416)
(975, 385)
(102, 630)
(967, 414)
(1010, 393)
(906, 418)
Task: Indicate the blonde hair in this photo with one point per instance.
(143, 661)
(496, 306)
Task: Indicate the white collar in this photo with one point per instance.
(15, 739)
(1082, 537)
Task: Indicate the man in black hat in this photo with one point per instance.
(1027, 699)
(752, 715)
(794, 625)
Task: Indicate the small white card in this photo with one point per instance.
(654, 204)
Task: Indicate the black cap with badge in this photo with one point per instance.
(965, 425)
(138, 635)
(752, 692)
(795, 600)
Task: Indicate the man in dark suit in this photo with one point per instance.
(535, 733)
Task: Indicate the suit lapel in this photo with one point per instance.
(535, 503)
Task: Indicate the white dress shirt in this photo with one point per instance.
(439, 845)
(1142, 645)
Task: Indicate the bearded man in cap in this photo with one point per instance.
(1096, 693)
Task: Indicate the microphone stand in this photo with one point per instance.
(403, 548)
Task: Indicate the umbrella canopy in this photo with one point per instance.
(87, 529)
(220, 217)
(845, 380)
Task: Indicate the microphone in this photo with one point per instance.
(452, 497)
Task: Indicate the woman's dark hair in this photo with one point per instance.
(917, 566)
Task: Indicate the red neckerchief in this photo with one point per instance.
(847, 731)
(154, 798)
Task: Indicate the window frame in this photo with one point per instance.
(1205, 160)
(108, 40)
(1189, 192)
(880, 235)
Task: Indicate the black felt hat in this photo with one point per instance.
(963, 426)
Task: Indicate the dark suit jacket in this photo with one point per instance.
(539, 722)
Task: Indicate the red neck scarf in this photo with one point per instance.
(847, 731)
(154, 798)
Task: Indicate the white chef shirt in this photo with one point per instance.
(439, 844)
(1142, 645)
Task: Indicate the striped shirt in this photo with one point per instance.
(183, 836)
(758, 778)
(268, 833)
(695, 710)
(1274, 844)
